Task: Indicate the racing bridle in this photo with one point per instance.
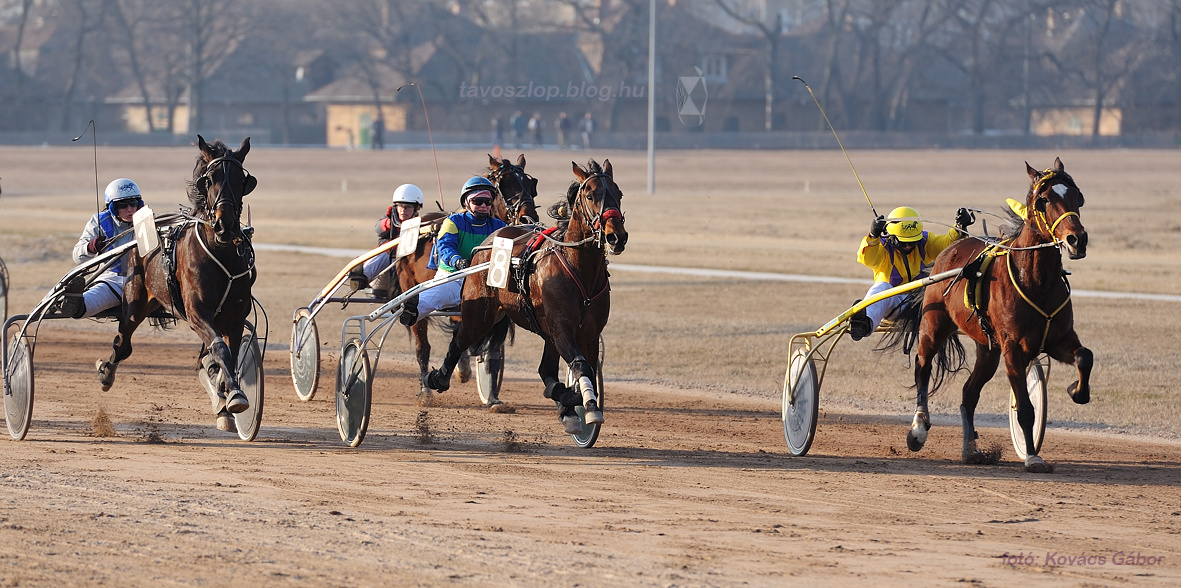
(607, 210)
(1050, 182)
(517, 205)
(227, 197)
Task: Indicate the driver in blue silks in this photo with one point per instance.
(123, 200)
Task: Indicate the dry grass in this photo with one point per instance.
(726, 210)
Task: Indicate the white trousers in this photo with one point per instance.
(374, 265)
(444, 296)
(106, 292)
(882, 308)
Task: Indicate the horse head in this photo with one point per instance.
(597, 200)
(1052, 208)
(518, 189)
(219, 184)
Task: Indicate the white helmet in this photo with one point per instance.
(408, 194)
(122, 189)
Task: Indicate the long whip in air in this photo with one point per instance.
(430, 136)
(834, 134)
(93, 133)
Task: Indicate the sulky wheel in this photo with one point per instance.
(801, 403)
(354, 393)
(1035, 381)
(250, 379)
(3, 292)
(590, 432)
(18, 387)
(489, 375)
(305, 355)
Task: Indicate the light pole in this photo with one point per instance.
(651, 96)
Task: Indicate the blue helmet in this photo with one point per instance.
(122, 189)
(475, 185)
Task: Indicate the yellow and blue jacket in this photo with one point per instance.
(890, 265)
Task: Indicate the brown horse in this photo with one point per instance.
(561, 292)
(214, 271)
(1027, 311)
(515, 204)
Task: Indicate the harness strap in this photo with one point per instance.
(232, 277)
(1049, 316)
(586, 300)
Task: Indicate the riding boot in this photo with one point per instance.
(357, 279)
(381, 286)
(409, 312)
(860, 326)
(73, 304)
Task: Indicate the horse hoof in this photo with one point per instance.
(1079, 397)
(465, 369)
(1036, 465)
(436, 381)
(106, 373)
(225, 421)
(573, 424)
(492, 401)
(594, 418)
(501, 408)
(912, 443)
(237, 402)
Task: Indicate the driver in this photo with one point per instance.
(904, 253)
(123, 200)
(461, 232)
(407, 202)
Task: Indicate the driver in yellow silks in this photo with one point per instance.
(898, 251)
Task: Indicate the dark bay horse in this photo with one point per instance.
(561, 292)
(214, 271)
(514, 203)
(1028, 310)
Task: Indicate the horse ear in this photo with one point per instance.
(579, 172)
(493, 164)
(202, 145)
(1058, 165)
(521, 160)
(243, 149)
(607, 166)
(250, 185)
(1033, 173)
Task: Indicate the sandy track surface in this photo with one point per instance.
(684, 488)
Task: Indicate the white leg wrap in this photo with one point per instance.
(588, 390)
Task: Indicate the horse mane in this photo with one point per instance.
(196, 197)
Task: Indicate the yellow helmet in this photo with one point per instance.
(909, 228)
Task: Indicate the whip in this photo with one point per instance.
(834, 134)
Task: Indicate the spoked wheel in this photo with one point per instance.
(305, 355)
(354, 388)
(18, 388)
(489, 375)
(1035, 381)
(590, 432)
(801, 403)
(3, 292)
(250, 379)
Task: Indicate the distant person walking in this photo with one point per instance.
(536, 126)
(562, 127)
(587, 127)
(376, 132)
(497, 133)
(518, 123)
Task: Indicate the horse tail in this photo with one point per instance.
(908, 320)
(495, 338)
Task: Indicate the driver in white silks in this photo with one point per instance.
(377, 272)
(123, 201)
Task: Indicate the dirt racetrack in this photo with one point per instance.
(690, 483)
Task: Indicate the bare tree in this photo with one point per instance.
(770, 29)
(89, 18)
(210, 30)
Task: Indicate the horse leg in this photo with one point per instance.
(921, 424)
(556, 390)
(986, 364)
(587, 370)
(223, 354)
(422, 350)
(1072, 352)
(440, 378)
(1016, 364)
(136, 307)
